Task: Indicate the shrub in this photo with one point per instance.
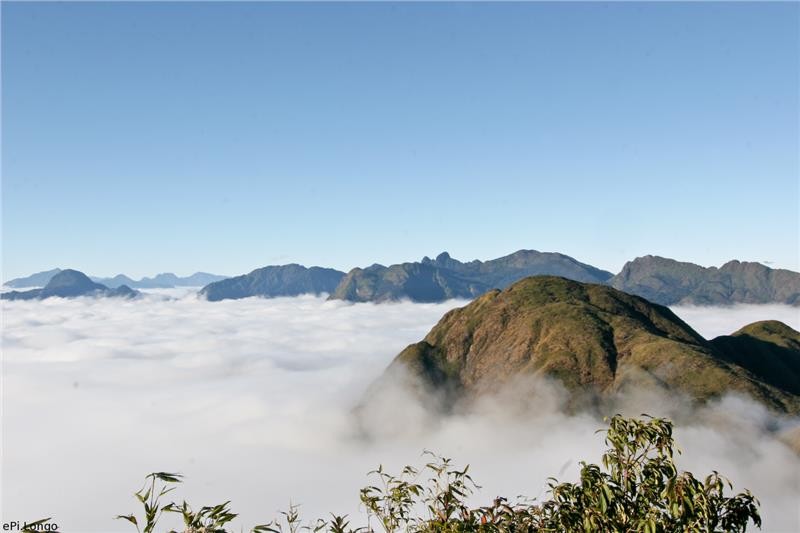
(637, 489)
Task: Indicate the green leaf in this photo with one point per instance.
(130, 518)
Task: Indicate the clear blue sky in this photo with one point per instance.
(148, 137)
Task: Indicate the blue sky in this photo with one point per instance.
(148, 137)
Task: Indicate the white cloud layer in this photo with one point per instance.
(712, 322)
(251, 400)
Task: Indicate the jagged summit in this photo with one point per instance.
(445, 277)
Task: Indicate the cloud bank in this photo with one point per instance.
(252, 400)
(712, 322)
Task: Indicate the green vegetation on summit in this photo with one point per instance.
(768, 349)
(598, 341)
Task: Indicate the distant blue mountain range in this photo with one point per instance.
(161, 281)
(70, 284)
(39, 279)
(658, 279)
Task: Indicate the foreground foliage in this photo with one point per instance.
(637, 489)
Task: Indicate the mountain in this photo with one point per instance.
(116, 281)
(768, 349)
(40, 279)
(165, 280)
(200, 279)
(669, 282)
(273, 281)
(161, 281)
(70, 284)
(501, 272)
(419, 282)
(597, 341)
(433, 280)
(658, 279)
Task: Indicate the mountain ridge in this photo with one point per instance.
(661, 280)
(598, 342)
(165, 280)
(274, 281)
(670, 282)
(37, 279)
(432, 280)
(69, 283)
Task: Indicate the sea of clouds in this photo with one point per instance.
(252, 401)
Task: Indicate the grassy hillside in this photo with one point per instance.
(597, 341)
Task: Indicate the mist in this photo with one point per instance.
(252, 401)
